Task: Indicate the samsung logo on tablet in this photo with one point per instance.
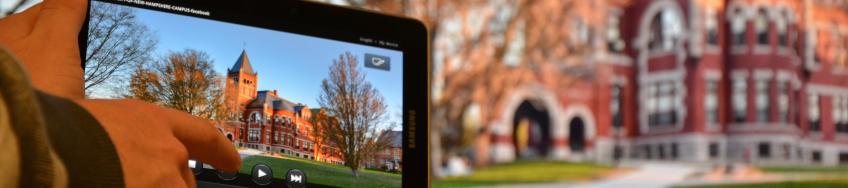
(410, 137)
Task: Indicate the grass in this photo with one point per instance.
(324, 174)
(839, 170)
(822, 183)
(830, 177)
(521, 172)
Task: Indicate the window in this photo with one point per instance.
(666, 30)
(615, 106)
(711, 102)
(761, 25)
(840, 114)
(836, 109)
(815, 47)
(713, 150)
(738, 28)
(763, 101)
(843, 158)
(783, 101)
(739, 100)
(255, 117)
(253, 135)
(764, 150)
(674, 150)
(813, 109)
(787, 151)
(663, 113)
(712, 27)
(817, 156)
(614, 41)
(782, 27)
(648, 151)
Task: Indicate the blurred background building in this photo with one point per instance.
(721, 81)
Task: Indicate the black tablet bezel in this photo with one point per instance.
(342, 24)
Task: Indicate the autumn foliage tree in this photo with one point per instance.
(184, 81)
(357, 110)
(481, 50)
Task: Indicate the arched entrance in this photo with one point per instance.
(531, 125)
(576, 135)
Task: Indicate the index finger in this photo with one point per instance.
(203, 141)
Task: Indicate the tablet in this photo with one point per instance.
(311, 95)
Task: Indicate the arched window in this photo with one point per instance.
(761, 24)
(666, 30)
(738, 27)
(255, 117)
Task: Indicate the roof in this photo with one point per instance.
(277, 103)
(395, 136)
(243, 63)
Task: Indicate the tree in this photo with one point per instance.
(319, 121)
(116, 43)
(357, 109)
(475, 43)
(184, 81)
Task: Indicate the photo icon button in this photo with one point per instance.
(295, 179)
(262, 174)
(378, 62)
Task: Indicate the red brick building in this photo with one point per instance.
(762, 81)
(263, 120)
(390, 158)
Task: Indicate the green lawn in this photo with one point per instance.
(526, 172)
(840, 170)
(830, 177)
(823, 183)
(324, 174)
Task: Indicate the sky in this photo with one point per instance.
(292, 64)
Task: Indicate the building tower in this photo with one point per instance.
(241, 85)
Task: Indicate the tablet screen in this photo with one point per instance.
(287, 101)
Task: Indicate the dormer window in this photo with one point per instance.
(738, 28)
(782, 27)
(761, 25)
(614, 41)
(712, 27)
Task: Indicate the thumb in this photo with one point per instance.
(61, 19)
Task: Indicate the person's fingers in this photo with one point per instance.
(202, 140)
(22, 22)
(61, 19)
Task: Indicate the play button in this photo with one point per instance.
(262, 174)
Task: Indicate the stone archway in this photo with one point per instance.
(531, 136)
(535, 101)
